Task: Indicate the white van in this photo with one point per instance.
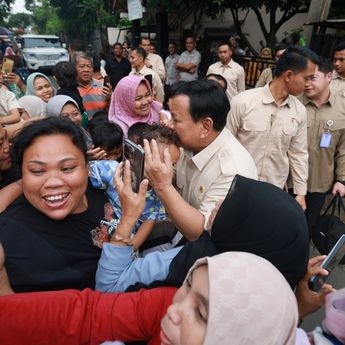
(40, 52)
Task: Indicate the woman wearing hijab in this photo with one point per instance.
(32, 106)
(132, 102)
(38, 84)
(233, 298)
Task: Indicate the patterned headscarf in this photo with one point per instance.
(250, 302)
(122, 105)
(30, 90)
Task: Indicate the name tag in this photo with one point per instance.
(326, 140)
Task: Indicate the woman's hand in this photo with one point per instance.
(95, 154)
(132, 204)
(308, 300)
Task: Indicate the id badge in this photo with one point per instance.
(326, 140)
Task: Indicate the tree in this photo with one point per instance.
(45, 18)
(19, 20)
(5, 8)
(278, 11)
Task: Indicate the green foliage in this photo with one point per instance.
(19, 20)
(5, 8)
(45, 19)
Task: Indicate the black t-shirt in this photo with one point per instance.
(45, 254)
(117, 70)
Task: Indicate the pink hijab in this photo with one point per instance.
(250, 302)
(121, 109)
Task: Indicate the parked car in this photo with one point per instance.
(40, 52)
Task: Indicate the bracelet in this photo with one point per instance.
(118, 238)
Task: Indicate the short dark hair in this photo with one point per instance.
(206, 99)
(340, 46)
(190, 36)
(220, 78)
(48, 126)
(140, 51)
(105, 134)
(173, 43)
(160, 133)
(100, 115)
(224, 44)
(65, 74)
(117, 44)
(145, 38)
(136, 130)
(295, 59)
(281, 46)
(325, 65)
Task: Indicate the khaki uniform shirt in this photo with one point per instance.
(233, 73)
(337, 82)
(276, 137)
(205, 178)
(326, 164)
(155, 62)
(157, 85)
(265, 77)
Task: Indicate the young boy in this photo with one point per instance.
(102, 174)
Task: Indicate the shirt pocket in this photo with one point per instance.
(288, 132)
(254, 126)
(335, 130)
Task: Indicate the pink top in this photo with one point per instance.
(122, 105)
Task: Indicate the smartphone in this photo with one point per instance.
(7, 65)
(331, 261)
(148, 77)
(136, 156)
(106, 80)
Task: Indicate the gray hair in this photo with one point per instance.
(81, 55)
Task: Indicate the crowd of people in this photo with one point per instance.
(214, 246)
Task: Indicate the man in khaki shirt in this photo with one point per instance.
(137, 60)
(153, 61)
(210, 160)
(326, 139)
(272, 125)
(229, 69)
(338, 76)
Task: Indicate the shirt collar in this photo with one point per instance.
(269, 99)
(230, 64)
(335, 75)
(331, 99)
(201, 158)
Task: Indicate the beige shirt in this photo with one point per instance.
(326, 164)
(337, 82)
(205, 178)
(276, 137)
(157, 85)
(8, 101)
(155, 62)
(233, 73)
(265, 77)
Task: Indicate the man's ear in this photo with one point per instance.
(206, 127)
(287, 75)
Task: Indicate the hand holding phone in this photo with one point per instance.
(331, 261)
(136, 156)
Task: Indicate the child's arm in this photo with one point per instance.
(142, 233)
(10, 193)
(12, 117)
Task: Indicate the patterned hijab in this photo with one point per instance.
(122, 105)
(250, 302)
(30, 90)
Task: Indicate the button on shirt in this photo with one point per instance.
(172, 72)
(233, 73)
(187, 57)
(205, 178)
(326, 164)
(276, 137)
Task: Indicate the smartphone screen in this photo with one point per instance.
(106, 80)
(331, 261)
(7, 65)
(136, 156)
